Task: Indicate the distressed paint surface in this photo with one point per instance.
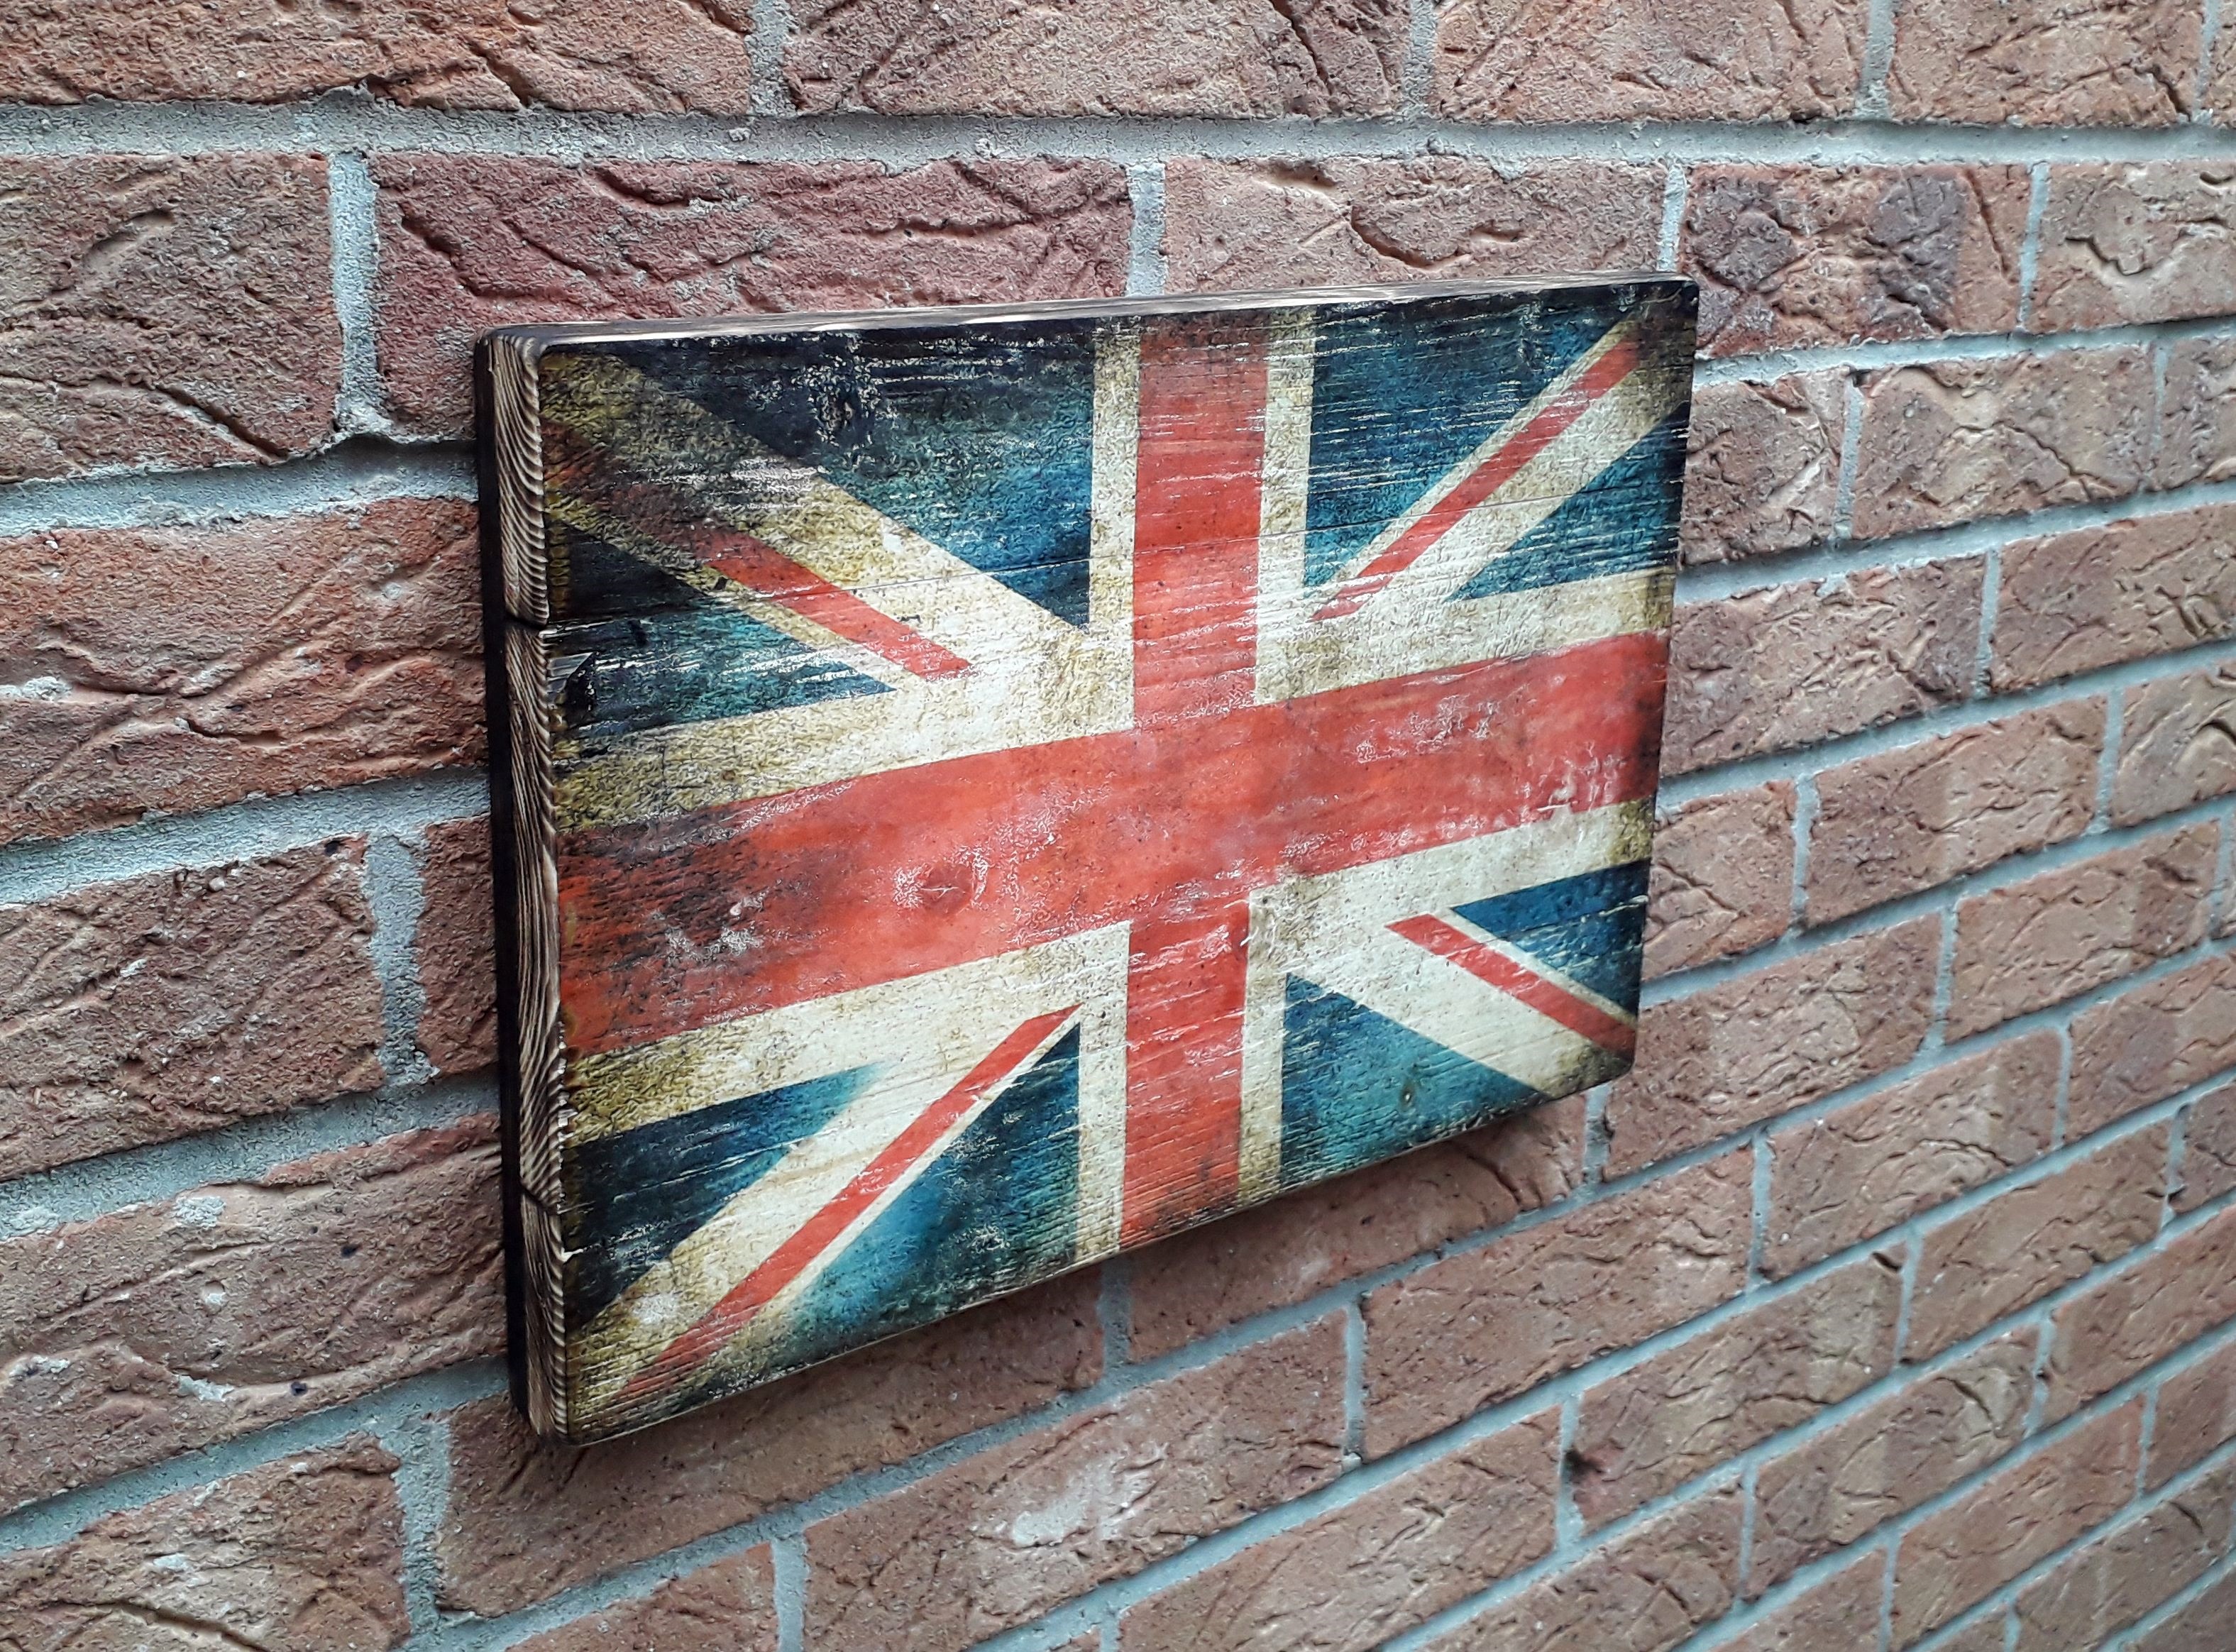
(990, 790)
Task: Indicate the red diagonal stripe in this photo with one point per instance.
(1484, 480)
(791, 1258)
(1488, 964)
(662, 514)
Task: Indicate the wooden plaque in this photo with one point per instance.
(979, 790)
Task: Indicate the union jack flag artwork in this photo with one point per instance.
(982, 790)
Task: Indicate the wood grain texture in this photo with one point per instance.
(985, 789)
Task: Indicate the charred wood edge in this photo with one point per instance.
(524, 853)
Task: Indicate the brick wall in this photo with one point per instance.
(1888, 1303)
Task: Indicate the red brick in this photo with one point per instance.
(2080, 600)
(1762, 466)
(1001, 1537)
(2037, 63)
(455, 948)
(1791, 256)
(2135, 241)
(1723, 878)
(305, 1553)
(2196, 1416)
(1750, 1048)
(2040, 942)
(1908, 820)
(2137, 1317)
(2197, 414)
(2208, 1150)
(163, 310)
(160, 1005)
(1471, 1330)
(1908, 1448)
(527, 1520)
(2129, 1572)
(1311, 223)
(1318, 1237)
(2201, 1626)
(2177, 745)
(1647, 1591)
(473, 242)
(2031, 1510)
(1377, 1566)
(600, 55)
(729, 1606)
(1798, 664)
(2021, 1246)
(1946, 442)
(1230, 57)
(1839, 1615)
(1838, 1180)
(174, 669)
(134, 1337)
(1544, 62)
(2151, 1042)
(1684, 1413)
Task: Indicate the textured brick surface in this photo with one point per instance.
(620, 55)
(2039, 63)
(163, 310)
(177, 668)
(2196, 1415)
(1350, 1579)
(1840, 1613)
(729, 1606)
(1646, 1591)
(2131, 1569)
(2140, 241)
(1258, 224)
(1798, 664)
(161, 1005)
(1891, 1457)
(2208, 1149)
(2152, 1040)
(134, 1337)
(1762, 468)
(2200, 1626)
(1531, 60)
(1001, 1536)
(2177, 745)
(2029, 1510)
(2197, 413)
(2021, 1246)
(2076, 602)
(2034, 943)
(2143, 1313)
(455, 947)
(1947, 442)
(1723, 878)
(1282, 1252)
(1745, 1049)
(1909, 819)
(1801, 255)
(1229, 58)
(1476, 1328)
(527, 1520)
(469, 242)
(1838, 1180)
(305, 1553)
(1660, 1423)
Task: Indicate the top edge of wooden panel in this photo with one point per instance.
(937, 316)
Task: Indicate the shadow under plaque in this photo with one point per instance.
(980, 790)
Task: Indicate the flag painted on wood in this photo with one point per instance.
(985, 790)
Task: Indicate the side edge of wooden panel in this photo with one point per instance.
(512, 432)
(525, 868)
